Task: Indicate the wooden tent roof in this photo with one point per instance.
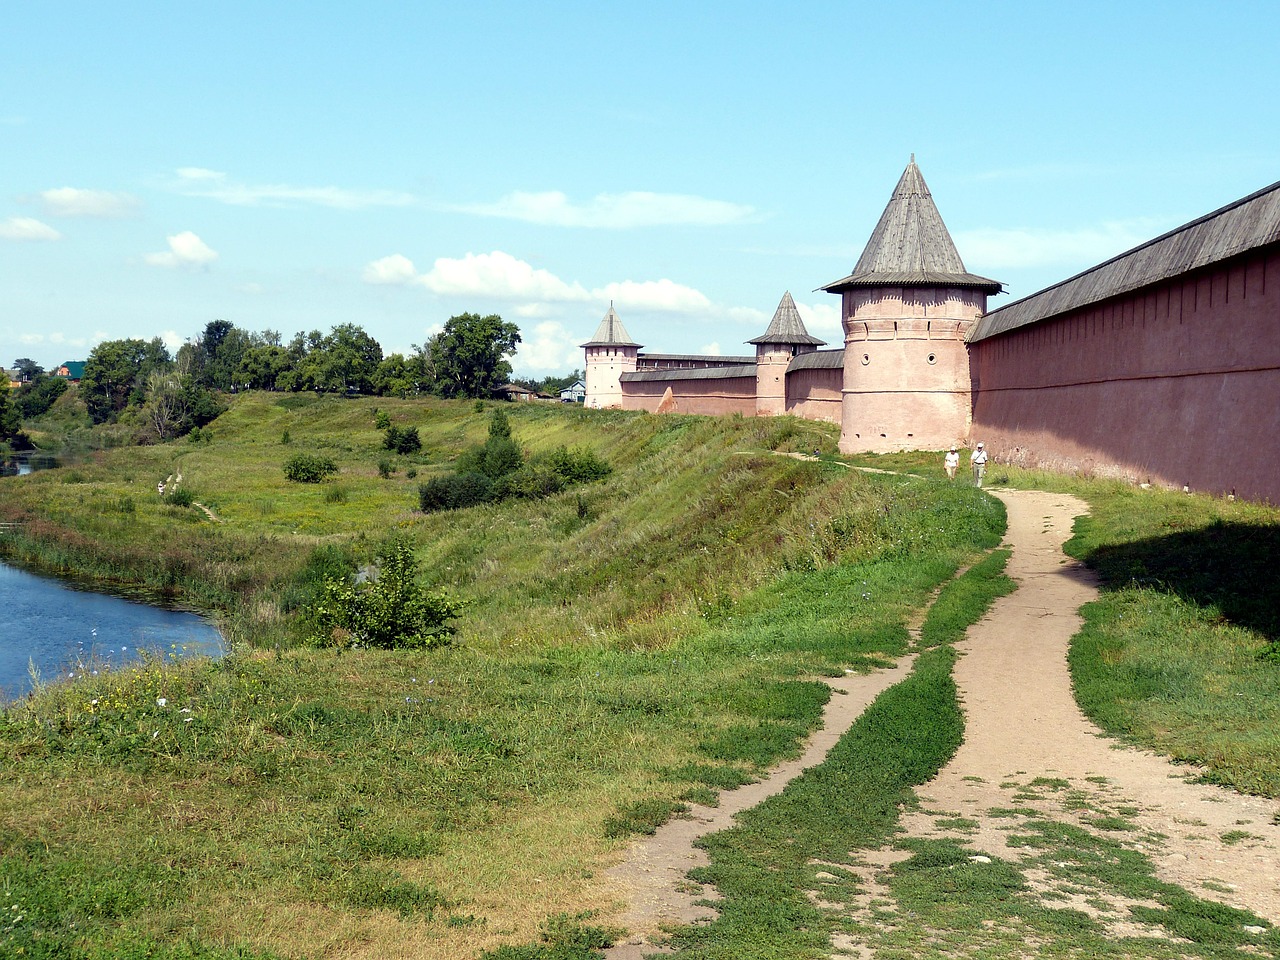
(1239, 227)
(611, 333)
(910, 246)
(787, 326)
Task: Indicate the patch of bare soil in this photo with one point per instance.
(1027, 748)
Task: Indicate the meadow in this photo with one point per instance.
(627, 647)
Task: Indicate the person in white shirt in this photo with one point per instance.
(950, 462)
(978, 460)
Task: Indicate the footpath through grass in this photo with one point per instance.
(628, 647)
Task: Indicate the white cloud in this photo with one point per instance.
(185, 250)
(395, 269)
(498, 275)
(172, 339)
(548, 347)
(215, 185)
(98, 204)
(711, 350)
(614, 211)
(823, 320)
(664, 295)
(25, 228)
(1006, 249)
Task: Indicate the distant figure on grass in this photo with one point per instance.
(978, 460)
(951, 461)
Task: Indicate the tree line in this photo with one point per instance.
(170, 395)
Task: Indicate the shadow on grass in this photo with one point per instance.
(1230, 567)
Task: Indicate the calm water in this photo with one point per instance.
(66, 631)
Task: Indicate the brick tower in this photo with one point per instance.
(610, 354)
(785, 338)
(907, 308)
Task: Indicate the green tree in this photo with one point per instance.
(27, 369)
(345, 360)
(115, 373)
(38, 395)
(10, 418)
(470, 354)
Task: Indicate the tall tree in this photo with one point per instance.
(115, 372)
(27, 369)
(470, 354)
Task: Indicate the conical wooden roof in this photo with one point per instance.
(787, 326)
(611, 333)
(910, 246)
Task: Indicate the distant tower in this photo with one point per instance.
(785, 338)
(906, 309)
(610, 354)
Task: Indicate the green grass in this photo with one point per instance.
(963, 601)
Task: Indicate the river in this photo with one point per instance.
(63, 632)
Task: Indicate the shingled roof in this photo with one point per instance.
(1249, 223)
(787, 326)
(611, 333)
(910, 246)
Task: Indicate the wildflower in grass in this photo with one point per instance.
(161, 702)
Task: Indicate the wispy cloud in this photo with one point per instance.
(1006, 249)
(614, 211)
(25, 228)
(95, 204)
(216, 185)
(547, 347)
(185, 250)
(501, 276)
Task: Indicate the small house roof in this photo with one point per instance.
(910, 246)
(700, 373)
(75, 368)
(817, 360)
(787, 326)
(611, 333)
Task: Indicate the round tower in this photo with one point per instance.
(609, 354)
(785, 338)
(907, 309)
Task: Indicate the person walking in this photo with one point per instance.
(951, 461)
(978, 460)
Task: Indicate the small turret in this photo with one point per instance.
(609, 354)
(785, 338)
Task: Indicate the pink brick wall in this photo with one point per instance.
(1177, 384)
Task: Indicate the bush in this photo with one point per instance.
(385, 468)
(389, 611)
(402, 440)
(308, 468)
(382, 419)
(180, 497)
(532, 482)
(454, 492)
(577, 466)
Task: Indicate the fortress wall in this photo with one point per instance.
(1177, 383)
(712, 396)
(816, 394)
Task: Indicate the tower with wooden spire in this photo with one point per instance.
(907, 307)
(610, 354)
(785, 338)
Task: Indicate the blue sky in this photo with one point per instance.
(293, 166)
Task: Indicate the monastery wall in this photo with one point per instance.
(1177, 383)
(816, 392)
(711, 395)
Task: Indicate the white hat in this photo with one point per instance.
(979, 443)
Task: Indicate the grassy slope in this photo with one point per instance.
(642, 640)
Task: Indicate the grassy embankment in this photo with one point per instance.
(1181, 652)
(629, 645)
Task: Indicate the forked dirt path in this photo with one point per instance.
(1022, 723)
(1022, 728)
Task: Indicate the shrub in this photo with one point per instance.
(577, 466)
(308, 468)
(180, 497)
(385, 468)
(336, 494)
(455, 491)
(389, 611)
(402, 440)
(531, 482)
(285, 439)
(382, 419)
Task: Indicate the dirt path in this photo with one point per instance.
(1023, 730)
(1022, 723)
